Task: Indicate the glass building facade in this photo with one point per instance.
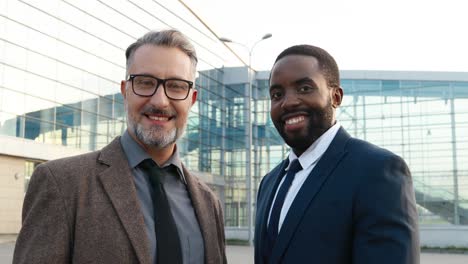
(61, 63)
(421, 116)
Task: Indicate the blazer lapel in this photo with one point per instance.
(200, 202)
(119, 186)
(265, 204)
(308, 191)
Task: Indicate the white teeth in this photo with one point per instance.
(158, 118)
(294, 120)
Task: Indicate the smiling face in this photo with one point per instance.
(156, 122)
(302, 104)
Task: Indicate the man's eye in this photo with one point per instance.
(304, 89)
(145, 82)
(276, 95)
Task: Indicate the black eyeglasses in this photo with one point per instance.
(147, 85)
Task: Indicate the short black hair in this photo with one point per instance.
(326, 62)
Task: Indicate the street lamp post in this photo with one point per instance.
(248, 136)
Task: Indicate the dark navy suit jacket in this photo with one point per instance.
(356, 206)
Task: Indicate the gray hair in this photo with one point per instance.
(167, 38)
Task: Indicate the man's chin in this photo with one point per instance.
(298, 143)
(295, 139)
(156, 137)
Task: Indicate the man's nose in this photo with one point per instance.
(291, 99)
(160, 98)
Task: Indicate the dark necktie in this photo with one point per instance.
(272, 229)
(167, 238)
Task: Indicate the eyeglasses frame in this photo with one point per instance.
(160, 81)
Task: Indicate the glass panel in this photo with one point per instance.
(10, 125)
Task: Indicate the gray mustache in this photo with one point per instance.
(152, 110)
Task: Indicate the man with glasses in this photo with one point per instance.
(133, 201)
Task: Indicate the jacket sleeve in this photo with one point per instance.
(385, 216)
(45, 236)
(221, 238)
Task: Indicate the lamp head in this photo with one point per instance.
(268, 35)
(225, 40)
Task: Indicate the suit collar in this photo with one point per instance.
(315, 151)
(308, 192)
(135, 154)
(117, 181)
(269, 187)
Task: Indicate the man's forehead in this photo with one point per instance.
(294, 66)
(298, 60)
(147, 54)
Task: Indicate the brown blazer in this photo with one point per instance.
(84, 209)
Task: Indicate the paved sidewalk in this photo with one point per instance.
(7, 238)
(244, 255)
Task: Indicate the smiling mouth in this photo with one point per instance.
(294, 120)
(159, 118)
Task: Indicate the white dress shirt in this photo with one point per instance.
(308, 160)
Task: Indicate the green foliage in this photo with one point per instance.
(237, 242)
(450, 249)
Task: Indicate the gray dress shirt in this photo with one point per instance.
(191, 239)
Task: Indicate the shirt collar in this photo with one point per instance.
(317, 149)
(136, 154)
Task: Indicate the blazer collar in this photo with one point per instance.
(277, 174)
(264, 204)
(328, 162)
(135, 154)
(118, 183)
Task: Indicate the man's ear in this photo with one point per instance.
(337, 96)
(194, 96)
(123, 89)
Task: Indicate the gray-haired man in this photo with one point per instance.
(133, 201)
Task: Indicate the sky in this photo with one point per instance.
(402, 35)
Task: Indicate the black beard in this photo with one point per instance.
(320, 120)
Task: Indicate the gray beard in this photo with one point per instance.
(155, 137)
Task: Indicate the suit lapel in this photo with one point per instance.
(265, 203)
(200, 202)
(119, 186)
(308, 192)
